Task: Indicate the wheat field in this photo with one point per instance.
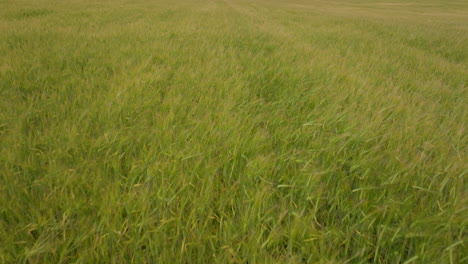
(233, 131)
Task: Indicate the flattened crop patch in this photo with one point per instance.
(30, 13)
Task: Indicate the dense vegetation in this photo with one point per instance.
(233, 131)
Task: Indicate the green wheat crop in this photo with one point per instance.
(233, 131)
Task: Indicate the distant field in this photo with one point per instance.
(219, 131)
